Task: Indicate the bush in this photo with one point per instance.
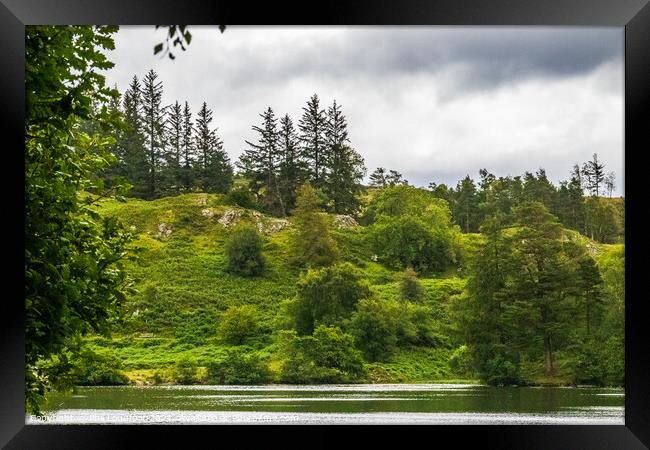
(408, 241)
(243, 197)
(238, 323)
(244, 252)
(185, 370)
(327, 296)
(312, 244)
(239, 368)
(328, 356)
(375, 326)
(460, 361)
(410, 287)
(101, 367)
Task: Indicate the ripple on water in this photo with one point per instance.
(85, 416)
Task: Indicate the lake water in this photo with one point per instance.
(337, 404)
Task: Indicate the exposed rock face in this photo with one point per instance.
(202, 201)
(277, 225)
(344, 221)
(164, 230)
(264, 224)
(229, 217)
(207, 212)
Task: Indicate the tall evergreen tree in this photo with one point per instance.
(540, 288)
(378, 178)
(609, 183)
(465, 208)
(214, 169)
(174, 150)
(261, 163)
(292, 166)
(134, 167)
(188, 146)
(312, 128)
(594, 174)
(394, 178)
(154, 129)
(345, 166)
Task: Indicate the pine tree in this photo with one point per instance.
(134, 167)
(261, 163)
(465, 208)
(394, 178)
(214, 170)
(154, 128)
(312, 244)
(345, 167)
(174, 149)
(312, 127)
(378, 178)
(540, 309)
(610, 183)
(292, 165)
(481, 312)
(594, 174)
(188, 156)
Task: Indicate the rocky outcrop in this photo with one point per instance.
(229, 217)
(343, 221)
(164, 230)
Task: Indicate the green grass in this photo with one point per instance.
(183, 288)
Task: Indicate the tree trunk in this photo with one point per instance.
(548, 356)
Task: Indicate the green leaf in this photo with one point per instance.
(188, 37)
(157, 49)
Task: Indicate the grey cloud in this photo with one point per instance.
(489, 56)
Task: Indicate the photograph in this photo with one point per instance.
(324, 225)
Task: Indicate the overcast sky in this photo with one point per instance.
(434, 103)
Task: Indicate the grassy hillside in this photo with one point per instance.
(183, 289)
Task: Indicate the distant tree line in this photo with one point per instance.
(576, 202)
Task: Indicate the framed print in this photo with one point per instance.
(383, 214)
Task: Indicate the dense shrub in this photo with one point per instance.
(243, 197)
(238, 323)
(327, 296)
(244, 252)
(328, 356)
(460, 361)
(185, 370)
(409, 241)
(410, 287)
(101, 367)
(238, 368)
(312, 244)
(375, 325)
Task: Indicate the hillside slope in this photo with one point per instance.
(183, 289)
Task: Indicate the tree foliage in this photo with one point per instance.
(74, 280)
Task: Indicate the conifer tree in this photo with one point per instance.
(378, 178)
(188, 145)
(465, 208)
(261, 163)
(173, 153)
(312, 127)
(214, 170)
(154, 129)
(292, 165)
(594, 174)
(134, 167)
(312, 243)
(345, 167)
(609, 183)
(394, 178)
